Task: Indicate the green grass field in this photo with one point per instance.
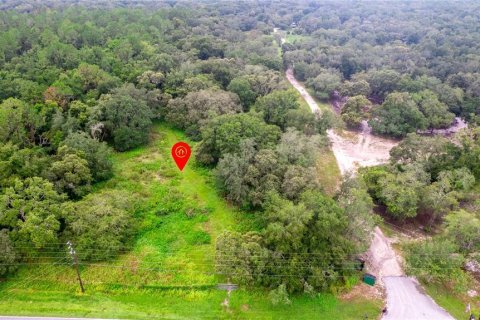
(169, 273)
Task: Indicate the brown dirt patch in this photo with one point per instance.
(363, 290)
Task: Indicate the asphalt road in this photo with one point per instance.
(407, 301)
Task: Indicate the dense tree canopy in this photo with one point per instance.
(121, 118)
(397, 116)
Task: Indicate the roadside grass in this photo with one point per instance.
(186, 304)
(451, 301)
(170, 270)
(328, 172)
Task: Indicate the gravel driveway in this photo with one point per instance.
(407, 301)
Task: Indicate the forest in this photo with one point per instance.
(84, 84)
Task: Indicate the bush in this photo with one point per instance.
(8, 256)
(279, 295)
(436, 261)
(100, 225)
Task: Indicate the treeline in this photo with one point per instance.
(404, 68)
(78, 84)
(417, 70)
(433, 180)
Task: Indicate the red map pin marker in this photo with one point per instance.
(181, 153)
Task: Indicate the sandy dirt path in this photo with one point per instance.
(351, 149)
(406, 300)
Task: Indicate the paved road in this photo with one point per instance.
(407, 301)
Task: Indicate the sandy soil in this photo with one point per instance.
(382, 259)
(405, 298)
(363, 149)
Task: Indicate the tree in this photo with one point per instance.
(297, 180)
(76, 119)
(18, 163)
(275, 106)
(242, 87)
(298, 149)
(196, 83)
(125, 120)
(355, 88)
(99, 225)
(325, 83)
(309, 236)
(31, 209)
(196, 109)
(264, 82)
(151, 79)
(357, 204)
(89, 77)
(241, 257)
(397, 116)
(70, 173)
(231, 172)
(248, 175)
(12, 125)
(9, 256)
(207, 47)
(382, 82)
(470, 151)
(307, 122)
(435, 260)
(463, 228)
(224, 134)
(437, 199)
(97, 154)
(435, 112)
(354, 111)
(401, 192)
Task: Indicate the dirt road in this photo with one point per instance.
(405, 298)
(351, 149)
(383, 262)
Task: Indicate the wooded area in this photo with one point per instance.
(81, 83)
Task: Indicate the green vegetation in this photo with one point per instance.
(260, 202)
(191, 304)
(170, 268)
(451, 302)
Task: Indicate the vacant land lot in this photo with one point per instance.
(170, 271)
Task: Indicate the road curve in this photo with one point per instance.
(405, 298)
(356, 148)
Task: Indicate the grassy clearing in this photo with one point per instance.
(169, 273)
(292, 38)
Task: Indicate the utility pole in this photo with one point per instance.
(75, 262)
